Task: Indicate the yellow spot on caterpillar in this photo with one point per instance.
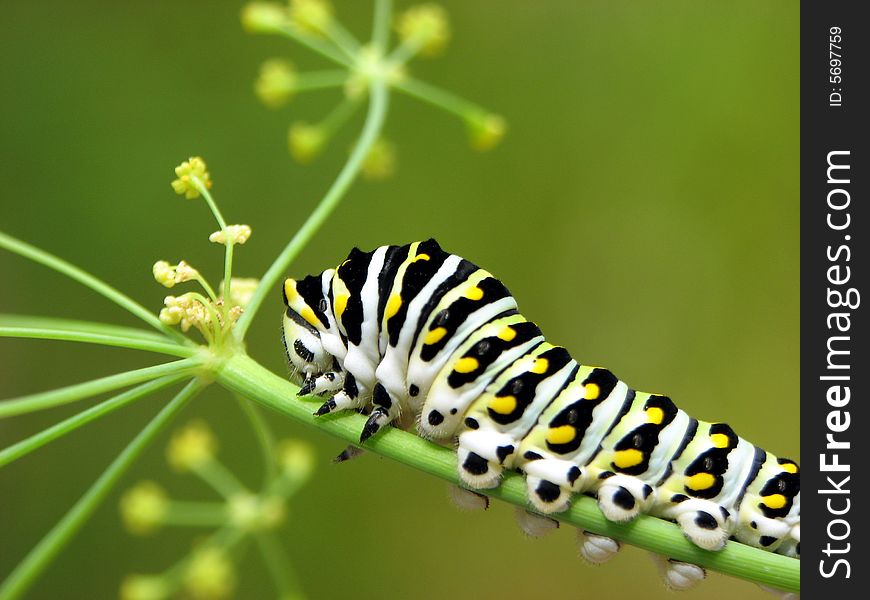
(719, 440)
(474, 293)
(592, 391)
(561, 435)
(466, 364)
(540, 367)
(655, 415)
(774, 501)
(340, 304)
(393, 305)
(507, 334)
(631, 457)
(434, 336)
(503, 405)
(290, 290)
(421, 257)
(700, 481)
(308, 314)
(789, 467)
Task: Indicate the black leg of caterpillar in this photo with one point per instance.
(377, 419)
(677, 575)
(328, 383)
(307, 385)
(622, 497)
(596, 549)
(348, 453)
(326, 408)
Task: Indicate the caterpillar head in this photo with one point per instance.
(303, 324)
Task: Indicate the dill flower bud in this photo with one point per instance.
(191, 447)
(296, 459)
(380, 162)
(425, 25)
(250, 512)
(263, 17)
(144, 587)
(171, 315)
(276, 82)
(184, 272)
(241, 290)
(485, 131)
(236, 234)
(306, 141)
(210, 575)
(313, 16)
(143, 508)
(189, 171)
(164, 274)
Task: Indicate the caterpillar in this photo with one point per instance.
(425, 340)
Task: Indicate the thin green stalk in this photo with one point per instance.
(265, 439)
(378, 106)
(381, 25)
(280, 566)
(212, 205)
(228, 275)
(246, 377)
(61, 266)
(80, 391)
(36, 561)
(440, 98)
(339, 115)
(38, 440)
(317, 45)
(405, 51)
(319, 80)
(66, 335)
(342, 39)
(196, 514)
(7, 320)
(220, 479)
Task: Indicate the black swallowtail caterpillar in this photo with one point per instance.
(422, 339)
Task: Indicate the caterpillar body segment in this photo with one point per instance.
(425, 340)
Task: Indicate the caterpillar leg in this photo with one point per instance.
(677, 575)
(328, 383)
(704, 522)
(466, 499)
(481, 455)
(622, 497)
(596, 549)
(348, 453)
(534, 525)
(349, 398)
(386, 409)
(551, 483)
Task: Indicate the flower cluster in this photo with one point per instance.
(214, 313)
(422, 30)
(209, 571)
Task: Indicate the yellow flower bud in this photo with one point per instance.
(191, 170)
(184, 272)
(210, 575)
(264, 17)
(485, 131)
(306, 141)
(144, 587)
(171, 315)
(313, 16)
(276, 82)
(296, 459)
(237, 234)
(191, 447)
(380, 162)
(164, 274)
(143, 508)
(425, 25)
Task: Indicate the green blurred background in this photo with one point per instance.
(643, 209)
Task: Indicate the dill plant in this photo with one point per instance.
(221, 315)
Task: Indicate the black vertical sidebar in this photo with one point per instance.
(835, 369)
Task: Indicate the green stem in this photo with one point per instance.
(378, 105)
(60, 535)
(381, 25)
(265, 439)
(196, 514)
(220, 479)
(315, 44)
(210, 201)
(441, 98)
(27, 321)
(72, 393)
(319, 80)
(38, 333)
(245, 376)
(36, 441)
(342, 39)
(339, 115)
(61, 266)
(228, 276)
(280, 566)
